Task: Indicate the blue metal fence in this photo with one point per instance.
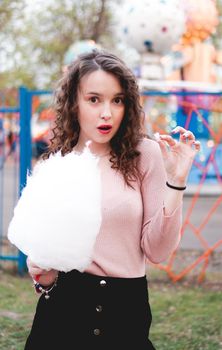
(25, 157)
(198, 111)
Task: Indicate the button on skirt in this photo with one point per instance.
(89, 311)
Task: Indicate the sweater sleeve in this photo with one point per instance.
(160, 232)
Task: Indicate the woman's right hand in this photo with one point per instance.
(44, 277)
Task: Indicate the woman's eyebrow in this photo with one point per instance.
(93, 93)
(120, 94)
(98, 94)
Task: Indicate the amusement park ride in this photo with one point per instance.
(177, 73)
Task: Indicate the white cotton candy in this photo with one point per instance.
(58, 215)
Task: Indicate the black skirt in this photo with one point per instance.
(86, 311)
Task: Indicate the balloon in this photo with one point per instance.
(202, 20)
(152, 26)
(78, 48)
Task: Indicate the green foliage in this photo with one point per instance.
(39, 38)
(216, 37)
(9, 9)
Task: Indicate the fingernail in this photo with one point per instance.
(37, 277)
(157, 136)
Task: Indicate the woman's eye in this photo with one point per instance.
(118, 100)
(94, 99)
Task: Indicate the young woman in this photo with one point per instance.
(143, 181)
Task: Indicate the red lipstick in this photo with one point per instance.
(104, 128)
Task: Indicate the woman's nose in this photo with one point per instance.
(105, 116)
(106, 113)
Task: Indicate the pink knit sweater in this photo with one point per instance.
(134, 227)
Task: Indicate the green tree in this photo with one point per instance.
(8, 10)
(11, 17)
(217, 36)
(39, 43)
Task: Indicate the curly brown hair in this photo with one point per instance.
(124, 153)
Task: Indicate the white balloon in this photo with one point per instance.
(129, 55)
(78, 48)
(152, 25)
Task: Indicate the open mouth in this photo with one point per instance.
(104, 129)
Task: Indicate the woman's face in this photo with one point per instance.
(100, 108)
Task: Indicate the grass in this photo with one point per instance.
(17, 304)
(186, 316)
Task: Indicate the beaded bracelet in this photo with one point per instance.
(40, 289)
(176, 187)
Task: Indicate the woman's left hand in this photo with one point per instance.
(178, 155)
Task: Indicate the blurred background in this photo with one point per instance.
(174, 48)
